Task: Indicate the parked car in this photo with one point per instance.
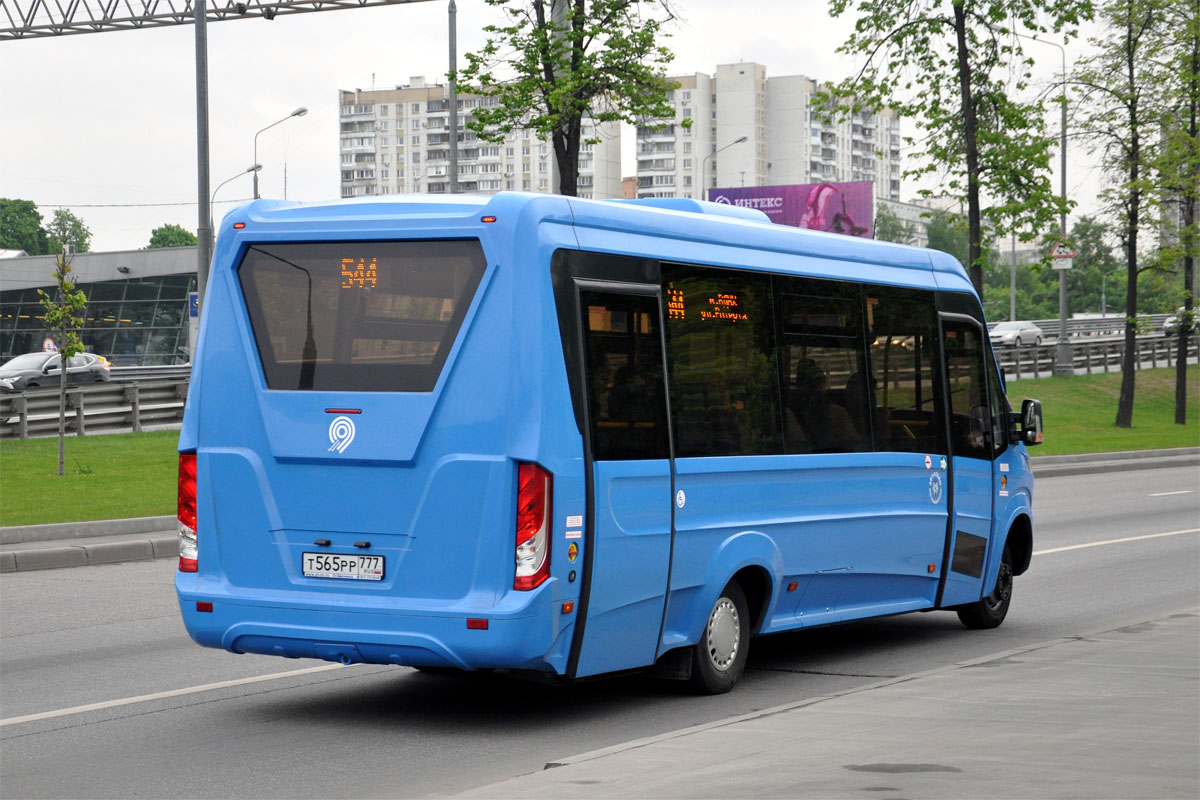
(1171, 324)
(1017, 334)
(32, 370)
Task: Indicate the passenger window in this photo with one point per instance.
(970, 415)
(625, 376)
(903, 351)
(998, 402)
(724, 379)
(827, 388)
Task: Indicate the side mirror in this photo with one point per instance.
(1031, 422)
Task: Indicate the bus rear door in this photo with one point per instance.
(629, 540)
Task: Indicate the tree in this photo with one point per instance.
(1118, 86)
(21, 227)
(557, 61)
(171, 235)
(67, 229)
(957, 69)
(890, 228)
(64, 317)
(1179, 168)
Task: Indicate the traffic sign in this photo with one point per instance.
(48, 345)
(1062, 250)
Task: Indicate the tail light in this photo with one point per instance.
(187, 513)
(534, 486)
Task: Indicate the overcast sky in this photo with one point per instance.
(109, 119)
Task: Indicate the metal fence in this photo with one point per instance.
(98, 408)
(1092, 356)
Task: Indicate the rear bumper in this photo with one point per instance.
(522, 630)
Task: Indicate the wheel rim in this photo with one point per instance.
(723, 637)
(1003, 591)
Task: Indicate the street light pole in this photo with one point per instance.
(704, 163)
(255, 168)
(452, 97)
(204, 234)
(299, 112)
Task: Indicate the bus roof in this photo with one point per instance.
(681, 218)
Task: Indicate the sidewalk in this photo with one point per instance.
(1112, 715)
(79, 544)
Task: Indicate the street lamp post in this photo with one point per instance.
(299, 112)
(704, 162)
(209, 231)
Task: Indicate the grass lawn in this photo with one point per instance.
(1079, 412)
(134, 474)
(104, 477)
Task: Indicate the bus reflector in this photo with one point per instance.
(477, 624)
(568, 607)
(186, 514)
(204, 605)
(533, 527)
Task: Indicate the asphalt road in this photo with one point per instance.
(107, 634)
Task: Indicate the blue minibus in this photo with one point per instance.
(581, 437)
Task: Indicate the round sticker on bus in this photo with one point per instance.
(680, 498)
(935, 488)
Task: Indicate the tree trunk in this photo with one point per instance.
(566, 153)
(1132, 222)
(1188, 237)
(970, 134)
(62, 410)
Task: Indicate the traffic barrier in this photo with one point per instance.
(1092, 356)
(97, 408)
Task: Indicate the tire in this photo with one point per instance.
(990, 611)
(1038, 341)
(1017, 343)
(720, 656)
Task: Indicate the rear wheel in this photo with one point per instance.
(720, 656)
(989, 611)
(1017, 343)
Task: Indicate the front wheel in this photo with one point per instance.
(989, 611)
(720, 656)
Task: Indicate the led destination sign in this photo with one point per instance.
(358, 274)
(718, 307)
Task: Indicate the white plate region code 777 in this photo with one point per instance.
(347, 567)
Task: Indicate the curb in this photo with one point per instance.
(90, 554)
(19, 534)
(1130, 460)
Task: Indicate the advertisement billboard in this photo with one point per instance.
(836, 207)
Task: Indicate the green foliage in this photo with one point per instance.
(64, 309)
(552, 63)
(67, 229)
(956, 68)
(171, 235)
(21, 227)
(890, 228)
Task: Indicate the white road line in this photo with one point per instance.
(1168, 494)
(1114, 541)
(64, 712)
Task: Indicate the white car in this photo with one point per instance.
(1017, 334)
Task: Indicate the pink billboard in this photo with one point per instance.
(834, 207)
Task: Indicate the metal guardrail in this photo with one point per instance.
(101, 407)
(168, 372)
(1093, 356)
(1112, 325)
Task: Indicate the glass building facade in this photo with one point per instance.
(133, 322)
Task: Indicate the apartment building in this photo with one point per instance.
(748, 129)
(396, 141)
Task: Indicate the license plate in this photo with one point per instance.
(347, 567)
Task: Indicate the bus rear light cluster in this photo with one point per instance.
(186, 504)
(534, 486)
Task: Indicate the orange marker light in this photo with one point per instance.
(932, 568)
(792, 586)
(239, 225)
(567, 608)
(487, 219)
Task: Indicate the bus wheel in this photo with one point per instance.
(990, 611)
(720, 656)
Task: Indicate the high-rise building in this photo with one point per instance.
(750, 130)
(396, 141)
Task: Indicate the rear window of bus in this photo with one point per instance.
(358, 316)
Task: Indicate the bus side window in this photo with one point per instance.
(901, 328)
(724, 384)
(625, 377)
(970, 415)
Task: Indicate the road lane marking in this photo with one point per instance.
(1115, 541)
(64, 712)
(1168, 494)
